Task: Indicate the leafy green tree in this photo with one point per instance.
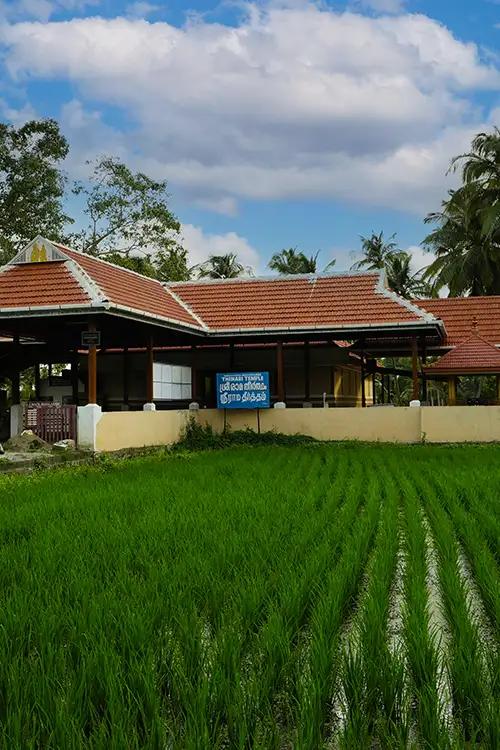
(221, 267)
(467, 260)
(403, 281)
(127, 213)
(166, 265)
(376, 252)
(466, 238)
(31, 184)
(293, 261)
(379, 254)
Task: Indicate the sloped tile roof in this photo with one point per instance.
(40, 284)
(474, 355)
(131, 290)
(460, 313)
(334, 301)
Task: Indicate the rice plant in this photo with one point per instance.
(196, 600)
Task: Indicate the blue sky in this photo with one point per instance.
(276, 123)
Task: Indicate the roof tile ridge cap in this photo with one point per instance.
(186, 307)
(108, 263)
(276, 277)
(381, 288)
(86, 282)
(461, 298)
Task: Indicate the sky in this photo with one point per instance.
(295, 123)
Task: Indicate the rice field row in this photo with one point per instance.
(301, 597)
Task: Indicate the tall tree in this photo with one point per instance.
(293, 261)
(466, 239)
(127, 213)
(221, 267)
(31, 184)
(376, 251)
(467, 260)
(379, 254)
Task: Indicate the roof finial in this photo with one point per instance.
(474, 324)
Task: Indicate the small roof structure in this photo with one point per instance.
(460, 313)
(474, 356)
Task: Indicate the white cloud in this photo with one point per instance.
(201, 246)
(295, 101)
(141, 9)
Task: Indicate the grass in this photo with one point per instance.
(264, 596)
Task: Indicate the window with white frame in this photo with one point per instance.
(171, 382)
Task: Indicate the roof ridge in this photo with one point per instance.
(186, 306)
(85, 282)
(107, 263)
(382, 288)
(276, 277)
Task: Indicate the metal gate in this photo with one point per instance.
(51, 422)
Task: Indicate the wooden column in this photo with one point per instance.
(149, 372)
(424, 374)
(307, 371)
(92, 370)
(374, 384)
(194, 373)
(414, 362)
(280, 372)
(452, 390)
(126, 373)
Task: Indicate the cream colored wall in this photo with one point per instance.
(461, 424)
(438, 424)
(117, 430)
(384, 424)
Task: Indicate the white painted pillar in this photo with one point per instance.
(16, 419)
(88, 419)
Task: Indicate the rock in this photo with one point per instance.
(26, 442)
(64, 445)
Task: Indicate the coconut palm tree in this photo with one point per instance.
(293, 261)
(403, 281)
(376, 251)
(221, 267)
(467, 259)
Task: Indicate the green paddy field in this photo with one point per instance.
(310, 596)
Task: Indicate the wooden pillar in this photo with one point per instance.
(194, 373)
(424, 374)
(363, 391)
(280, 372)
(149, 372)
(333, 385)
(74, 380)
(452, 390)
(307, 371)
(414, 362)
(126, 376)
(374, 387)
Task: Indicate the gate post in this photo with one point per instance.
(88, 419)
(16, 419)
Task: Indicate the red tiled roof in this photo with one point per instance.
(300, 302)
(475, 355)
(130, 289)
(40, 284)
(459, 314)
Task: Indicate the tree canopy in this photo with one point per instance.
(32, 184)
(466, 238)
(221, 267)
(294, 261)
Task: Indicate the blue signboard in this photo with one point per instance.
(243, 390)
